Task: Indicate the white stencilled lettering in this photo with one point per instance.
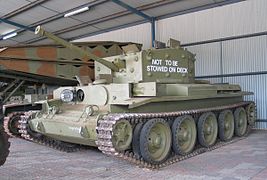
(171, 66)
(156, 61)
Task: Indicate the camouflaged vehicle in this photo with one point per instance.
(4, 143)
(4, 146)
(56, 61)
(143, 106)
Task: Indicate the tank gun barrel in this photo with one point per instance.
(41, 32)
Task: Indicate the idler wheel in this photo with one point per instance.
(122, 135)
(4, 146)
(226, 125)
(184, 135)
(251, 112)
(241, 121)
(155, 141)
(207, 129)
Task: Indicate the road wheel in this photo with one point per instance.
(226, 125)
(241, 121)
(184, 134)
(207, 129)
(155, 141)
(136, 140)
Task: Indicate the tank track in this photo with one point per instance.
(106, 124)
(41, 139)
(6, 123)
(5, 144)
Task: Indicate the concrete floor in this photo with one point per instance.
(245, 159)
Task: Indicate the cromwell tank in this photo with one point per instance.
(144, 106)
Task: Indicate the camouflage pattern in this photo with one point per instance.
(57, 61)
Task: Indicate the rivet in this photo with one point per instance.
(167, 74)
(149, 58)
(132, 70)
(98, 69)
(136, 58)
(149, 74)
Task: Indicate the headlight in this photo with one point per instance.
(80, 95)
(67, 95)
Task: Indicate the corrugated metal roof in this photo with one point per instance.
(25, 36)
(6, 28)
(103, 15)
(60, 24)
(62, 6)
(177, 6)
(11, 5)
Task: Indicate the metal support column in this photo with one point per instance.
(153, 32)
(221, 61)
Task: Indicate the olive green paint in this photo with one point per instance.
(149, 81)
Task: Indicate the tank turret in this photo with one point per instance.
(168, 65)
(144, 106)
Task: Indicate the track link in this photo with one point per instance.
(105, 127)
(41, 139)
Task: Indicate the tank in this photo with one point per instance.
(144, 106)
(4, 146)
(4, 143)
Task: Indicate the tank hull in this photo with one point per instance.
(70, 127)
